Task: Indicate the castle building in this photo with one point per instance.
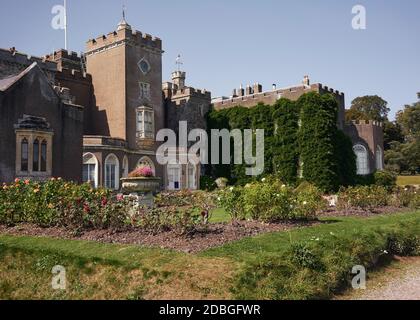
(94, 117)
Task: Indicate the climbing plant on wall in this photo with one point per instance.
(302, 132)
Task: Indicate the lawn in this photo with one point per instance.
(408, 180)
(110, 271)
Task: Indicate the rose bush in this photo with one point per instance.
(271, 201)
(363, 197)
(60, 203)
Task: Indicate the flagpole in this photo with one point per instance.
(65, 24)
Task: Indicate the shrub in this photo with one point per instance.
(232, 200)
(386, 179)
(268, 201)
(309, 201)
(303, 256)
(404, 245)
(59, 203)
(207, 183)
(272, 201)
(363, 197)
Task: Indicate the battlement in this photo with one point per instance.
(63, 54)
(188, 93)
(326, 89)
(136, 38)
(372, 123)
(75, 75)
(13, 56)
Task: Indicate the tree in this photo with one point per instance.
(392, 132)
(370, 108)
(353, 114)
(409, 120)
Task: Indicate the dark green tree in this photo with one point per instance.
(370, 108)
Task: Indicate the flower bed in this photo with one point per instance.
(60, 203)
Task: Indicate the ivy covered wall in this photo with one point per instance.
(302, 141)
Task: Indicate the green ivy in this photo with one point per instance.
(303, 131)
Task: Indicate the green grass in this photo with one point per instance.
(242, 269)
(408, 180)
(219, 215)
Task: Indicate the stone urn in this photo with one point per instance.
(140, 185)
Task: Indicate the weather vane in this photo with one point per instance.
(123, 11)
(179, 62)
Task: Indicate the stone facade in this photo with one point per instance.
(253, 95)
(39, 128)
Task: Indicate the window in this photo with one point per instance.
(34, 143)
(144, 66)
(35, 166)
(192, 177)
(44, 156)
(90, 169)
(24, 155)
(144, 90)
(361, 159)
(112, 172)
(379, 159)
(145, 123)
(125, 169)
(174, 177)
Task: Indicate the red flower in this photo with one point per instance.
(104, 202)
(86, 208)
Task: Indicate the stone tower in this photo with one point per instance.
(126, 70)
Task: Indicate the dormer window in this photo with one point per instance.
(145, 126)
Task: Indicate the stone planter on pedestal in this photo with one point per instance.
(141, 188)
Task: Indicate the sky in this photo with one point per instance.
(226, 43)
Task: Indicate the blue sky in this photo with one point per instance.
(228, 43)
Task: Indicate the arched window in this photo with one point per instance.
(192, 181)
(362, 162)
(379, 159)
(90, 169)
(24, 155)
(44, 156)
(147, 162)
(125, 169)
(112, 174)
(35, 158)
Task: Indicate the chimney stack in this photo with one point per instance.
(274, 87)
(241, 91)
(306, 81)
(257, 88)
(248, 90)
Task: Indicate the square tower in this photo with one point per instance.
(126, 70)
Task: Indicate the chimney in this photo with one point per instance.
(257, 88)
(234, 94)
(248, 90)
(274, 87)
(306, 81)
(241, 91)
